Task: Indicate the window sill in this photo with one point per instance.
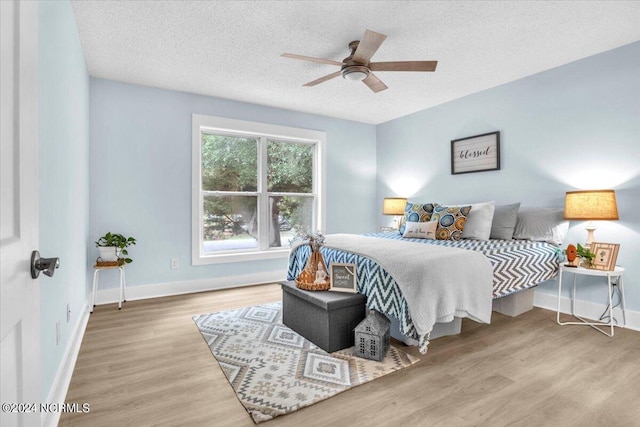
(280, 253)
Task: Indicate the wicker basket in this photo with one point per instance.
(309, 279)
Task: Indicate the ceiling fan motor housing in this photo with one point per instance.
(352, 70)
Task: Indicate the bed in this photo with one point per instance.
(517, 265)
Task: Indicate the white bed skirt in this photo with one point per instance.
(512, 305)
(439, 330)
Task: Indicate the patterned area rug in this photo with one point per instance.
(275, 371)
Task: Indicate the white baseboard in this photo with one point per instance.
(586, 309)
(60, 386)
(548, 301)
(109, 296)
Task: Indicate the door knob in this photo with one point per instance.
(48, 265)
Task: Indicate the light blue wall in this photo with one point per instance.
(64, 178)
(141, 176)
(573, 127)
(577, 126)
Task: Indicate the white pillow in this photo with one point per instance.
(479, 220)
(420, 230)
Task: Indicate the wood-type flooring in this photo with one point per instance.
(147, 365)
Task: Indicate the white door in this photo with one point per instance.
(19, 293)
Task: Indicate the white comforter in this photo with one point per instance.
(438, 283)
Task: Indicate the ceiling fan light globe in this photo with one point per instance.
(355, 73)
(356, 76)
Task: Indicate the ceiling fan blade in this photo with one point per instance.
(404, 66)
(312, 59)
(374, 83)
(323, 79)
(369, 44)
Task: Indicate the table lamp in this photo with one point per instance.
(394, 206)
(590, 205)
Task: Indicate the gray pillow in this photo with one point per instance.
(542, 225)
(504, 221)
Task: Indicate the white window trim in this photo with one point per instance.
(243, 127)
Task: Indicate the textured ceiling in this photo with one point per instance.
(231, 49)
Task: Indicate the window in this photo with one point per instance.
(254, 187)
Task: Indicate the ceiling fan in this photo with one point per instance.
(357, 66)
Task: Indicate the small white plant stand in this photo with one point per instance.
(98, 269)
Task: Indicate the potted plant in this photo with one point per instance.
(586, 255)
(112, 247)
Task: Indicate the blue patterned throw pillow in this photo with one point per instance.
(416, 212)
(451, 221)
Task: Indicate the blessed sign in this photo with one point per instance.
(475, 153)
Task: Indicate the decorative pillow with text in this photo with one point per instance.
(416, 212)
(420, 230)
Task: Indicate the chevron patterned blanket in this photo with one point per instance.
(517, 265)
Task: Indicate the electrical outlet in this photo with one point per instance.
(68, 312)
(57, 332)
(174, 263)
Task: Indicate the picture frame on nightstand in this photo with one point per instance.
(606, 255)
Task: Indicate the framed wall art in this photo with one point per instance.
(479, 153)
(343, 278)
(606, 255)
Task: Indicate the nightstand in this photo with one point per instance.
(613, 278)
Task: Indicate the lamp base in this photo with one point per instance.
(396, 222)
(590, 227)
